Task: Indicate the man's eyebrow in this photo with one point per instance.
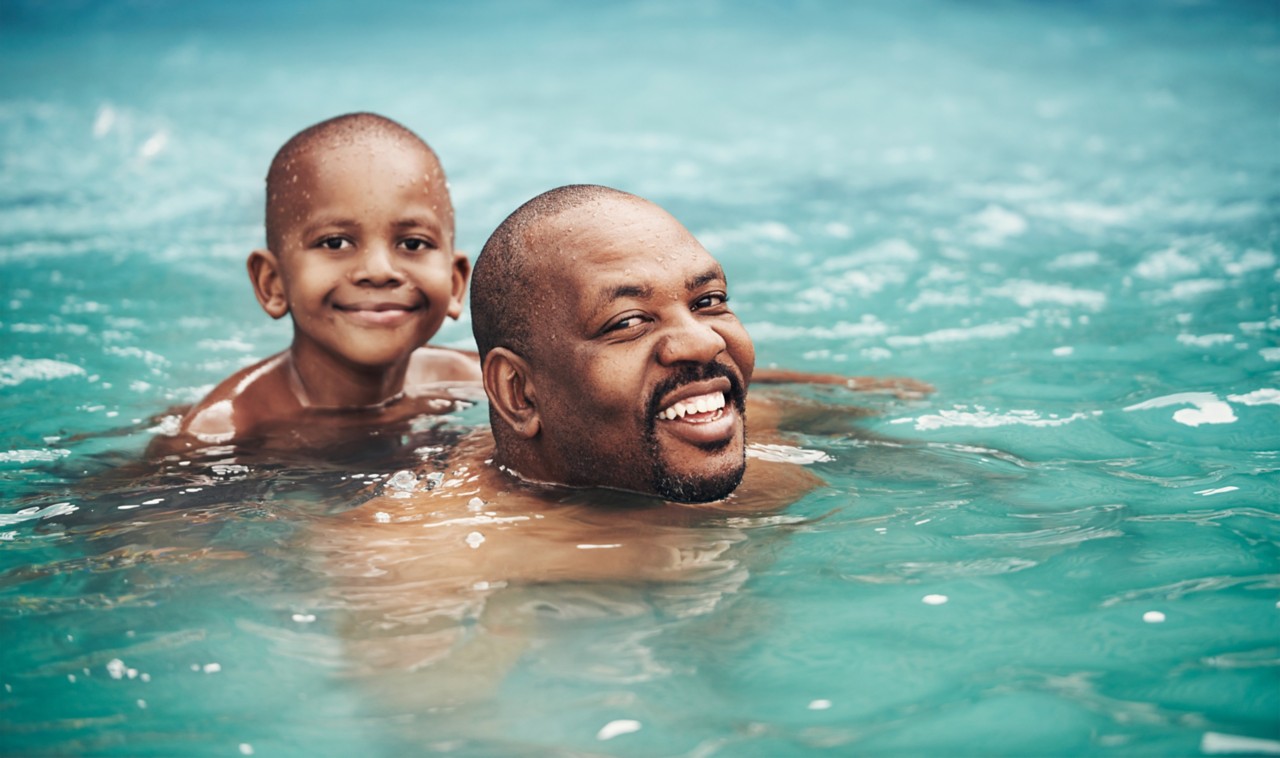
(624, 291)
(715, 273)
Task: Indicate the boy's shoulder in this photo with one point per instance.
(436, 365)
(252, 395)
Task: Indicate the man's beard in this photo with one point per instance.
(691, 488)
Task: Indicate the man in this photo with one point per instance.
(617, 377)
(610, 355)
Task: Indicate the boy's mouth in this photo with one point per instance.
(377, 313)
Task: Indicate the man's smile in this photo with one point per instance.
(701, 412)
(699, 409)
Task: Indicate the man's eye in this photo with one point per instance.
(418, 245)
(334, 243)
(623, 323)
(710, 301)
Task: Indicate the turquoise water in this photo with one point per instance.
(1062, 215)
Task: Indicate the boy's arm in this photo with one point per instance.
(901, 387)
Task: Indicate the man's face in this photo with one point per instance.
(640, 368)
(366, 258)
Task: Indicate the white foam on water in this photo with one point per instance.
(1166, 264)
(1208, 408)
(1270, 354)
(1082, 259)
(1264, 396)
(1028, 294)
(993, 225)
(1190, 289)
(1252, 260)
(1217, 743)
(617, 728)
(1080, 213)
(154, 145)
(33, 456)
(1179, 398)
(869, 326)
(1205, 340)
(992, 331)
(983, 419)
(104, 121)
(33, 513)
(786, 454)
(16, 370)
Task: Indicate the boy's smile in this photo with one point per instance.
(365, 261)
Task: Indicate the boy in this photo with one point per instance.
(360, 254)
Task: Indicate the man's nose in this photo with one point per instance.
(376, 266)
(690, 340)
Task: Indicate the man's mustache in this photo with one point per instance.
(689, 374)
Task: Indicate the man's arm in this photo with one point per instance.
(902, 387)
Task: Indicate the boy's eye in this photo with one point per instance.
(710, 301)
(334, 243)
(418, 245)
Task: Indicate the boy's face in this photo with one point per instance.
(366, 264)
(640, 367)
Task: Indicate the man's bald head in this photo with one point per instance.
(350, 130)
(506, 288)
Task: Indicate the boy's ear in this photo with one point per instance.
(509, 384)
(461, 274)
(264, 273)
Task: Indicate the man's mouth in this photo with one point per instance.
(700, 406)
(699, 410)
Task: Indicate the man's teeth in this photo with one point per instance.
(712, 401)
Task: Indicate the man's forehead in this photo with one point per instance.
(621, 249)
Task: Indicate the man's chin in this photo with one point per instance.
(702, 486)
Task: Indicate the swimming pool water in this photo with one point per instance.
(1062, 215)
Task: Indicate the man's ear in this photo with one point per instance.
(461, 274)
(264, 273)
(509, 385)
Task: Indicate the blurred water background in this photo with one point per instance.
(1064, 215)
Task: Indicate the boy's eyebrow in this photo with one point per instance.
(425, 220)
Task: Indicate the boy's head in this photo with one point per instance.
(359, 243)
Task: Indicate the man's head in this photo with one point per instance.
(611, 357)
(360, 242)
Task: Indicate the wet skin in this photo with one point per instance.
(367, 270)
(639, 369)
(366, 266)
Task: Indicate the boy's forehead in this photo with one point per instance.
(311, 175)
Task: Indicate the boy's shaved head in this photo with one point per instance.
(506, 289)
(344, 131)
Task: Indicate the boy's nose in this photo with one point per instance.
(376, 266)
(690, 340)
